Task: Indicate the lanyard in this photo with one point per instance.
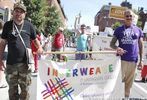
(17, 30)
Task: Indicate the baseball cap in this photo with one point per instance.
(61, 29)
(20, 6)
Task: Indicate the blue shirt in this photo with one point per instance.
(82, 42)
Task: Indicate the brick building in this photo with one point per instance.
(5, 9)
(57, 3)
(103, 20)
(7, 3)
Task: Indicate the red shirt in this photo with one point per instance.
(34, 49)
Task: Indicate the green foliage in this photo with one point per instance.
(115, 25)
(139, 23)
(53, 21)
(68, 33)
(34, 11)
(43, 16)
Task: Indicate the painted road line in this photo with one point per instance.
(141, 88)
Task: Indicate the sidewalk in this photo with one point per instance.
(4, 91)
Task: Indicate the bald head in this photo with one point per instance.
(128, 16)
(128, 11)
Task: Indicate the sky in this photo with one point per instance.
(89, 8)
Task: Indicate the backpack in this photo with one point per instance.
(58, 40)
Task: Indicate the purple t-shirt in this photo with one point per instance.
(128, 40)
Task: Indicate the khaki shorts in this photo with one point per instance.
(128, 73)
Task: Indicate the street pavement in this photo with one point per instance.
(138, 91)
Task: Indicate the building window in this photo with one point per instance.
(1, 16)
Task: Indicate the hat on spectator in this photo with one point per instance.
(61, 29)
(83, 26)
(20, 6)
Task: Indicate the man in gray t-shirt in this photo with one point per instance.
(17, 70)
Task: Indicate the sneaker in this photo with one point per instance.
(126, 98)
(140, 80)
(35, 73)
(90, 58)
(144, 80)
(3, 86)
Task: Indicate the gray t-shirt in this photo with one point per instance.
(16, 49)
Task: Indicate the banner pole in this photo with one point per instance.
(81, 52)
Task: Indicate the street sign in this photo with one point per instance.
(117, 12)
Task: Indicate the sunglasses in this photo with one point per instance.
(128, 15)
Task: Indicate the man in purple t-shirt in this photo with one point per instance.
(130, 45)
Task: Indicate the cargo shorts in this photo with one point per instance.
(18, 75)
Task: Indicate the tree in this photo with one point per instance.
(139, 23)
(53, 21)
(43, 16)
(115, 25)
(68, 33)
(34, 11)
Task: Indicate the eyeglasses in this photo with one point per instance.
(128, 15)
(83, 28)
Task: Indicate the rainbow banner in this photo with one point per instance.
(80, 80)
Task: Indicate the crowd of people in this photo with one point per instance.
(18, 74)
